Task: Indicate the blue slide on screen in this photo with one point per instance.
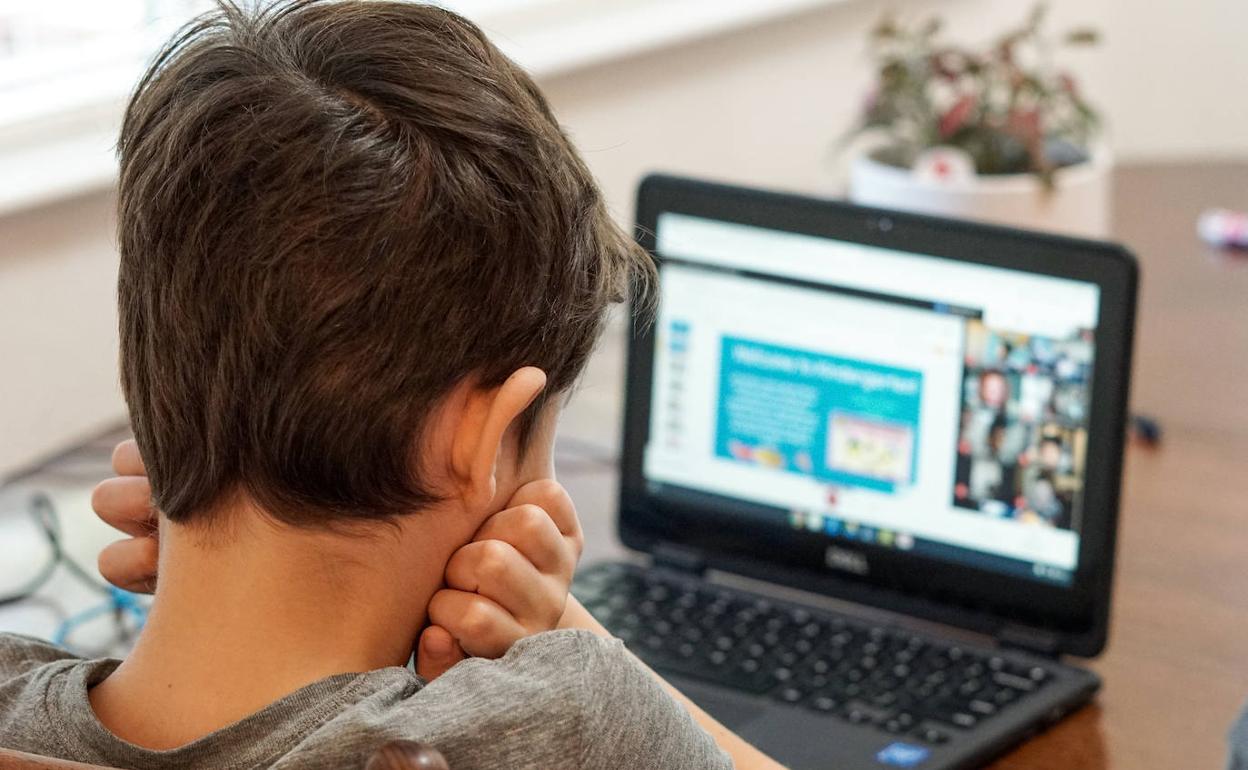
(842, 421)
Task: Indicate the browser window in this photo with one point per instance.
(897, 399)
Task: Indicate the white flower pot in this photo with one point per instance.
(1078, 204)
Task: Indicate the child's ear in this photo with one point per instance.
(486, 417)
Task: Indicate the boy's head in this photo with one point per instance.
(335, 217)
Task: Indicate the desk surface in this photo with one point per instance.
(1176, 668)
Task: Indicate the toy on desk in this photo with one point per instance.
(1224, 228)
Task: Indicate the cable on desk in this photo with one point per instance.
(46, 519)
(120, 604)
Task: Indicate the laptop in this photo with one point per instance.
(871, 470)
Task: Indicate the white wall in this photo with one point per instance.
(759, 106)
(58, 328)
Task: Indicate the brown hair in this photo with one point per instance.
(330, 214)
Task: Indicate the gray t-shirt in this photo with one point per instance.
(562, 699)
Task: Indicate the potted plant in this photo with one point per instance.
(997, 134)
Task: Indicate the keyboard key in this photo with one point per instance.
(962, 719)
(786, 657)
(791, 694)
(823, 703)
(892, 725)
(884, 699)
(970, 687)
(858, 715)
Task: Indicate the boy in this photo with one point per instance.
(360, 266)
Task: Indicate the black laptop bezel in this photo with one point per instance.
(1072, 620)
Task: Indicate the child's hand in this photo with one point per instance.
(125, 503)
(511, 581)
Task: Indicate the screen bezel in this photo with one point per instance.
(1076, 616)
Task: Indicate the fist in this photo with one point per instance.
(511, 581)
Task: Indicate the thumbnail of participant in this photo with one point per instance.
(1023, 437)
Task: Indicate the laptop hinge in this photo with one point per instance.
(678, 557)
(1028, 639)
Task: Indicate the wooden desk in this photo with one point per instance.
(1176, 669)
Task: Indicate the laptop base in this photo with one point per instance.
(817, 689)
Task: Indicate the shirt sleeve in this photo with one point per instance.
(633, 722)
(19, 654)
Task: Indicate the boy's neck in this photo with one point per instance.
(249, 616)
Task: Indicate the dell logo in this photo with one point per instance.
(846, 560)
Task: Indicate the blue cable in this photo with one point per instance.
(120, 602)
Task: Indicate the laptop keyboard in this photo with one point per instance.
(897, 681)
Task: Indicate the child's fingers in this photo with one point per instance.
(531, 531)
(125, 503)
(480, 625)
(126, 459)
(497, 571)
(436, 653)
(550, 496)
(130, 564)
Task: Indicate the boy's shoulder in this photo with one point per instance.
(31, 673)
(560, 699)
(20, 655)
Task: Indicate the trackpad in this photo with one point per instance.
(732, 711)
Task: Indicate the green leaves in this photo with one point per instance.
(1005, 104)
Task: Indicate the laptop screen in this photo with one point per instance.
(905, 401)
